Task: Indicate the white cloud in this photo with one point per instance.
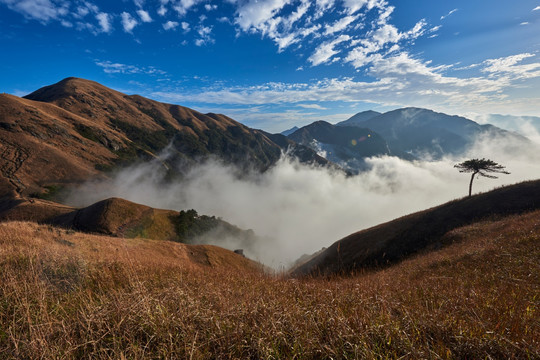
(81, 12)
(324, 52)
(256, 15)
(128, 22)
(118, 68)
(510, 65)
(340, 24)
(183, 6)
(162, 11)
(312, 106)
(104, 21)
(139, 3)
(41, 10)
(281, 203)
(322, 6)
(205, 37)
(396, 80)
(536, 8)
(210, 7)
(170, 25)
(185, 26)
(524, 23)
(353, 6)
(449, 13)
(145, 17)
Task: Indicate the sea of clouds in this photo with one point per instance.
(297, 209)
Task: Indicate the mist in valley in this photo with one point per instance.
(297, 209)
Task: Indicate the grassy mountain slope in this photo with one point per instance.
(398, 239)
(41, 145)
(76, 129)
(74, 295)
(122, 218)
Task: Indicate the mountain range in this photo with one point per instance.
(78, 130)
(409, 133)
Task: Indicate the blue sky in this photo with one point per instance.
(272, 64)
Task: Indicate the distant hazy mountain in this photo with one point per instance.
(289, 131)
(346, 146)
(422, 132)
(521, 124)
(359, 118)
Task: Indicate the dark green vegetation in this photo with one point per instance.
(396, 240)
(52, 192)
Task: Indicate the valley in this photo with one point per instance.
(133, 228)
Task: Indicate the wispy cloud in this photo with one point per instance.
(118, 68)
(324, 52)
(536, 8)
(312, 106)
(449, 13)
(41, 10)
(398, 80)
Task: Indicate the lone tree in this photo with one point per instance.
(480, 167)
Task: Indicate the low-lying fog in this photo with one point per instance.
(299, 209)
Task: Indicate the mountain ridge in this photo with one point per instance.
(77, 129)
(388, 243)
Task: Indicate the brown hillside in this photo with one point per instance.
(75, 296)
(40, 146)
(76, 129)
(395, 240)
(50, 240)
(195, 134)
(122, 218)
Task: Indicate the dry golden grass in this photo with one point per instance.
(70, 295)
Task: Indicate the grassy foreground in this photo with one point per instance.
(72, 295)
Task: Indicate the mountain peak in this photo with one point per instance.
(70, 86)
(359, 118)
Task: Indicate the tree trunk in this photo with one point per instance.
(470, 185)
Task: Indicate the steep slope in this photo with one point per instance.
(289, 131)
(346, 146)
(42, 144)
(422, 132)
(77, 129)
(152, 125)
(395, 240)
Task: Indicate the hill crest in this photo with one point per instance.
(398, 239)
